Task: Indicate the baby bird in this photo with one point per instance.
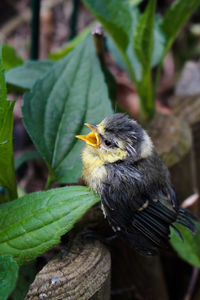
(122, 166)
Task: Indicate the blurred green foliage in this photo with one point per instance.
(8, 275)
(117, 17)
(188, 248)
(7, 174)
(10, 57)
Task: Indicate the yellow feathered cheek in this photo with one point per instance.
(92, 138)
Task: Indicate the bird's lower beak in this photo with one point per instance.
(93, 138)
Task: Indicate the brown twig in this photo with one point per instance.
(98, 36)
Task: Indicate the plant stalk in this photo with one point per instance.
(50, 179)
(48, 183)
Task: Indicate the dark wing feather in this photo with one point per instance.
(155, 223)
(145, 227)
(186, 219)
(145, 230)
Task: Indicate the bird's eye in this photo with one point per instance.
(107, 143)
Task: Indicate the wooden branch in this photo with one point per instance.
(82, 272)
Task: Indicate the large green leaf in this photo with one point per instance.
(72, 93)
(115, 16)
(189, 249)
(34, 223)
(7, 175)
(10, 57)
(26, 75)
(8, 276)
(175, 18)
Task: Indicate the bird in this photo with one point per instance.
(120, 164)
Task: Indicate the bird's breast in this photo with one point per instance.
(94, 171)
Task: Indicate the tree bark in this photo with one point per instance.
(81, 272)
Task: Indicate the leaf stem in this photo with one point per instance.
(147, 98)
(50, 179)
(48, 183)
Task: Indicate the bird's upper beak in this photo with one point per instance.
(93, 138)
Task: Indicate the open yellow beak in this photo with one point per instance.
(93, 138)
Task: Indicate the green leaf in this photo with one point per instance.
(143, 38)
(26, 276)
(158, 46)
(159, 42)
(71, 44)
(3, 93)
(143, 46)
(175, 18)
(72, 93)
(115, 16)
(7, 175)
(128, 61)
(26, 156)
(32, 224)
(10, 57)
(189, 249)
(130, 52)
(26, 75)
(8, 276)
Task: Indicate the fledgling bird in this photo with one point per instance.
(122, 166)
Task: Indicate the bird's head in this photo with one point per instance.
(117, 138)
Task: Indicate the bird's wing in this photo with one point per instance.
(146, 228)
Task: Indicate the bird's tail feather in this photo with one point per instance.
(186, 219)
(177, 231)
